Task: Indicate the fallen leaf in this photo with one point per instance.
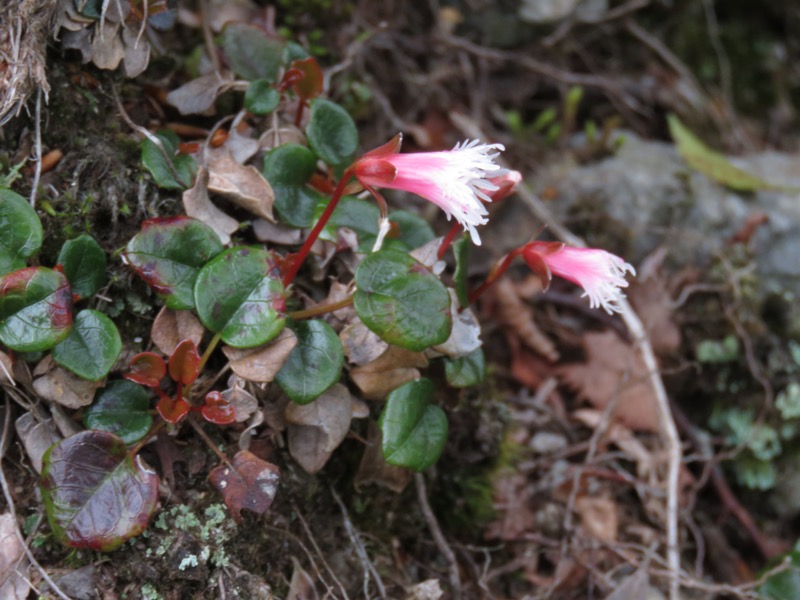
(107, 47)
(36, 436)
(59, 385)
(243, 402)
(221, 12)
(272, 138)
(430, 589)
(302, 586)
(274, 233)
(374, 469)
(242, 185)
(390, 370)
(137, 52)
(614, 370)
(623, 438)
(316, 429)
(361, 345)
(465, 334)
(6, 368)
(428, 255)
(199, 95)
(650, 296)
(247, 483)
(14, 566)
(635, 586)
(239, 146)
(261, 364)
(599, 517)
(198, 205)
(171, 327)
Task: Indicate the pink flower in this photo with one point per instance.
(457, 181)
(600, 273)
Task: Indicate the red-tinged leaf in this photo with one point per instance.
(390, 147)
(172, 410)
(310, 84)
(248, 483)
(291, 77)
(146, 368)
(218, 410)
(97, 495)
(184, 363)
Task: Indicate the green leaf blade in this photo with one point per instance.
(314, 364)
(121, 408)
(84, 264)
(91, 348)
(331, 132)
(20, 231)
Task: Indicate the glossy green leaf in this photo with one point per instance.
(251, 53)
(288, 169)
(157, 164)
(461, 251)
(784, 585)
(355, 214)
(413, 431)
(96, 496)
(20, 231)
(35, 309)
(239, 295)
(331, 132)
(710, 163)
(414, 231)
(121, 408)
(168, 253)
(465, 371)
(402, 301)
(261, 97)
(84, 264)
(91, 348)
(314, 364)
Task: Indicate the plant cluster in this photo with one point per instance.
(331, 297)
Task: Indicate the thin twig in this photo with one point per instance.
(438, 536)
(369, 568)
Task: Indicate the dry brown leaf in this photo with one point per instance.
(36, 436)
(137, 52)
(242, 185)
(246, 483)
(316, 429)
(465, 336)
(276, 234)
(614, 370)
(171, 327)
(511, 493)
(273, 138)
(13, 565)
(221, 12)
(516, 318)
(622, 437)
(374, 469)
(107, 47)
(243, 402)
(599, 517)
(651, 298)
(390, 370)
(428, 255)
(430, 589)
(261, 364)
(6, 368)
(360, 344)
(198, 205)
(59, 385)
(240, 145)
(198, 95)
(302, 586)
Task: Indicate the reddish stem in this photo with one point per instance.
(448, 239)
(298, 116)
(299, 258)
(498, 269)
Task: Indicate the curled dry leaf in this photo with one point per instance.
(374, 469)
(137, 52)
(242, 185)
(272, 138)
(198, 95)
(246, 483)
(516, 318)
(59, 385)
(316, 429)
(198, 205)
(361, 345)
(36, 436)
(243, 402)
(390, 370)
(614, 370)
(465, 336)
(239, 144)
(171, 327)
(13, 565)
(107, 47)
(261, 364)
(276, 234)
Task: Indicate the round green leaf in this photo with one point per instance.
(20, 231)
(261, 98)
(84, 264)
(121, 408)
(331, 132)
(465, 371)
(158, 165)
(96, 495)
(168, 253)
(402, 301)
(414, 230)
(239, 295)
(314, 364)
(91, 348)
(288, 168)
(413, 431)
(35, 309)
(250, 53)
